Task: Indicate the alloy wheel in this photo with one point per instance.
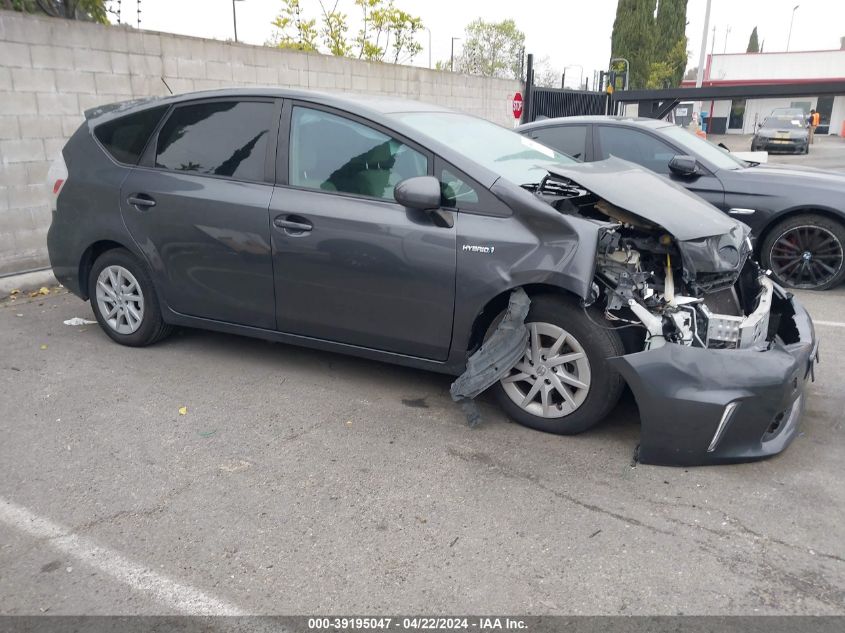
(806, 256)
(120, 299)
(553, 378)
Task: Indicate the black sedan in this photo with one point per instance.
(782, 134)
(797, 214)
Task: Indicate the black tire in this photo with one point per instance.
(152, 327)
(598, 343)
(834, 228)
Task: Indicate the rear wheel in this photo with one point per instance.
(563, 384)
(124, 300)
(806, 251)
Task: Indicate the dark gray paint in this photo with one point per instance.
(682, 393)
(334, 271)
(369, 273)
(633, 188)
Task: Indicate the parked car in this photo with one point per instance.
(403, 232)
(797, 214)
(782, 134)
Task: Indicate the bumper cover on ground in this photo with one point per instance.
(707, 406)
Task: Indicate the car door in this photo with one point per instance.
(573, 140)
(645, 149)
(351, 265)
(197, 207)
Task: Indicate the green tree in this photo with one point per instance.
(670, 43)
(382, 19)
(293, 29)
(492, 49)
(387, 34)
(87, 10)
(633, 39)
(753, 43)
(333, 30)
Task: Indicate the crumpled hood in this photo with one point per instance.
(650, 196)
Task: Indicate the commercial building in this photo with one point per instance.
(741, 116)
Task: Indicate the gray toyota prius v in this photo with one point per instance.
(412, 234)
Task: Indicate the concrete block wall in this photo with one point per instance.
(52, 70)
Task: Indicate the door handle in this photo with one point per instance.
(293, 227)
(141, 201)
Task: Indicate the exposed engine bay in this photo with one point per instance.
(704, 292)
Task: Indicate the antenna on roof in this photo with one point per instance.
(166, 86)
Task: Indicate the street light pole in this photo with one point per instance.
(699, 76)
(429, 45)
(791, 20)
(235, 20)
(452, 57)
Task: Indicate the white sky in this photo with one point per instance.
(569, 32)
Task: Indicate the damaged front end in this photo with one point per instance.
(717, 354)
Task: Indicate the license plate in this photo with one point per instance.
(783, 135)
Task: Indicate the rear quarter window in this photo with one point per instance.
(125, 138)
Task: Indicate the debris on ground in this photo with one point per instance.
(183, 410)
(79, 321)
(495, 358)
(235, 466)
(43, 346)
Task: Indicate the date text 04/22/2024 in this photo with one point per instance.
(415, 623)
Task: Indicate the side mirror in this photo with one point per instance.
(419, 192)
(683, 165)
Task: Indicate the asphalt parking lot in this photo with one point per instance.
(303, 482)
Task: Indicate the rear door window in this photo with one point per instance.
(635, 146)
(217, 138)
(333, 153)
(126, 137)
(569, 139)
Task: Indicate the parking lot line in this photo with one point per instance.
(166, 591)
(829, 323)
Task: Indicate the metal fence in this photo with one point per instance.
(548, 103)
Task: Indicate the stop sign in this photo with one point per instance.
(517, 105)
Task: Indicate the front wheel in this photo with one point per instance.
(806, 251)
(563, 384)
(124, 300)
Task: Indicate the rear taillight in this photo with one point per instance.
(56, 179)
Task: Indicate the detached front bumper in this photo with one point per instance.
(709, 406)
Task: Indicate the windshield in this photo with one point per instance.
(792, 112)
(513, 156)
(783, 123)
(696, 146)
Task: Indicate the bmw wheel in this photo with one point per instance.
(563, 384)
(124, 300)
(806, 251)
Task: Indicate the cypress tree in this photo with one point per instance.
(633, 38)
(753, 44)
(670, 40)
